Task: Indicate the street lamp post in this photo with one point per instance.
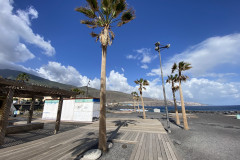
(158, 48)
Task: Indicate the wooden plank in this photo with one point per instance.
(143, 148)
(132, 137)
(140, 144)
(165, 147)
(173, 148)
(146, 154)
(128, 136)
(125, 135)
(136, 137)
(155, 154)
(45, 147)
(163, 153)
(171, 151)
(150, 147)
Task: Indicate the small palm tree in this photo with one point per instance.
(182, 66)
(22, 77)
(104, 16)
(134, 94)
(77, 90)
(137, 98)
(172, 80)
(142, 82)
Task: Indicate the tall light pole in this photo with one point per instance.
(158, 48)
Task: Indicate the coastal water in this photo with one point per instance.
(198, 108)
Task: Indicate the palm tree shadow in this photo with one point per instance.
(172, 121)
(91, 142)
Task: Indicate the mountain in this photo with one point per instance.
(12, 74)
(112, 96)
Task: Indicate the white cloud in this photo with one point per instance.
(122, 69)
(55, 71)
(16, 34)
(118, 82)
(144, 55)
(206, 57)
(144, 66)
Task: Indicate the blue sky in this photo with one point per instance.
(46, 38)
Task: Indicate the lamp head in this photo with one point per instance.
(157, 44)
(168, 46)
(157, 48)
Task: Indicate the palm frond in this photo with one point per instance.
(187, 66)
(93, 4)
(119, 8)
(137, 81)
(175, 88)
(86, 11)
(126, 17)
(89, 23)
(184, 78)
(112, 35)
(145, 83)
(95, 35)
(174, 67)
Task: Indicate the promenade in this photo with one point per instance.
(148, 136)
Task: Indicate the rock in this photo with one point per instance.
(109, 145)
(124, 146)
(177, 142)
(92, 154)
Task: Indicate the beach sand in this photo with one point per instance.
(211, 136)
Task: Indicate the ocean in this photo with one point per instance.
(197, 108)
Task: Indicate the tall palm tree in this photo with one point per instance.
(142, 83)
(105, 16)
(182, 66)
(172, 80)
(134, 94)
(77, 90)
(23, 77)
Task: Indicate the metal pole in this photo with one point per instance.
(164, 94)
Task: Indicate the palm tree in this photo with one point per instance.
(77, 90)
(134, 94)
(142, 82)
(182, 66)
(137, 98)
(104, 16)
(22, 77)
(171, 80)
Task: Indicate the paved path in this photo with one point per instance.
(151, 141)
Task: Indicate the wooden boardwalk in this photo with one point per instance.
(150, 139)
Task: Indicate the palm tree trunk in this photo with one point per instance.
(144, 114)
(176, 109)
(138, 107)
(185, 123)
(134, 105)
(102, 118)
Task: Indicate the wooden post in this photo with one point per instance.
(31, 111)
(5, 114)
(59, 112)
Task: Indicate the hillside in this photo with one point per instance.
(112, 96)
